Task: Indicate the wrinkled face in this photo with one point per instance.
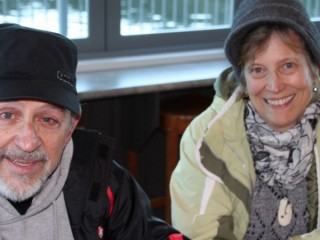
(279, 84)
(33, 137)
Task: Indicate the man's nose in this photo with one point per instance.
(27, 138)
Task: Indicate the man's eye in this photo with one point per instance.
(288, 65)
(6, 115)
(49, 120)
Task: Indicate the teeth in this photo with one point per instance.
(280, 101)
(21, 163)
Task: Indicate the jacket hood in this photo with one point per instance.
(225, 84)
(227, 93)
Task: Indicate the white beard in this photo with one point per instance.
(17, 193)
(20, 187)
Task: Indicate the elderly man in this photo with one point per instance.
(58, 183)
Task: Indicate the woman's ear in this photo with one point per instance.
(315, 75)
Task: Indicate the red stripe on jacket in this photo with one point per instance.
(111, 200)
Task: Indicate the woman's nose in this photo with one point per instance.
(274, 83)
(27, 138)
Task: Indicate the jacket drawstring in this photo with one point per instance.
(55, 221)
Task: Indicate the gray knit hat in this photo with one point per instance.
(38, 64)
(253, 13)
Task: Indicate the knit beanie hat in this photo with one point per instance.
(38, 65)
(254, 13)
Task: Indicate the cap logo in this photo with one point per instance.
(64, 78)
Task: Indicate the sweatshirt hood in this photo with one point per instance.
(47, 216)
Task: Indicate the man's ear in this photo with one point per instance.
(75, 122)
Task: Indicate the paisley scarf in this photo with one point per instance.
(282, 158)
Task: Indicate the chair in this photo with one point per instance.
(175, 115)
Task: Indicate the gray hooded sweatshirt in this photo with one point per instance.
(47, 216)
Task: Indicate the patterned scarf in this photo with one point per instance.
(282, 158)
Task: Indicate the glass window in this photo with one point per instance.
(69, 18)
(140, 17)
(313, 8)
(126, 27)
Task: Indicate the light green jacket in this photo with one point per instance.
(213, 181)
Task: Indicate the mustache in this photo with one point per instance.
(16, 154)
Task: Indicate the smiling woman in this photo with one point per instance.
(248, 163)
(277, 78)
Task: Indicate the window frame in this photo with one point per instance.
(161, 41)
(96, 30)
(105, 39)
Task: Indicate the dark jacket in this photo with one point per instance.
(103, 200)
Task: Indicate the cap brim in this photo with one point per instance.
(42, 90)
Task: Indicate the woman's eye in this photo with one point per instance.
(257, 72)
(288, 68)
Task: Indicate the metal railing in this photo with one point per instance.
(66, 17)
(137, 16)
(158, 16)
